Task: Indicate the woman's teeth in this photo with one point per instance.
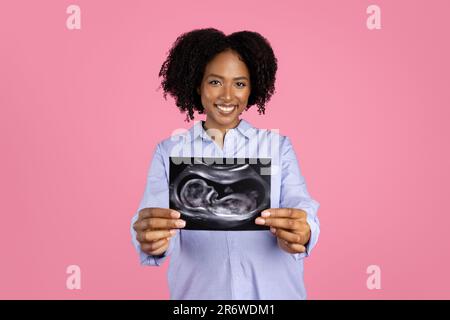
(226, 109)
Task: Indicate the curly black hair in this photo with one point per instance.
(183, 70)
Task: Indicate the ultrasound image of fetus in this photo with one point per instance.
(219, 196)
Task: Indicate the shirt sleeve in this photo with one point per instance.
(156, 195)
(295, 195)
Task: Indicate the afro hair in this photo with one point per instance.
(182, 71)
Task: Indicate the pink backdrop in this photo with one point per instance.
(367, 111)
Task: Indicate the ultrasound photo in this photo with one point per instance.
(220, 193)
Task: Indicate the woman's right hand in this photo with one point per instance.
(155, 227)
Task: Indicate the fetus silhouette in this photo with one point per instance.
(197, 193)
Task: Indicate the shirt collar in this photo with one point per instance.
(244, 127)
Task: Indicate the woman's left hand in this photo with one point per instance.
(290, 227)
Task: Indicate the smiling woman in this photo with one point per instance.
(215, 219)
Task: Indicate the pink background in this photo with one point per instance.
(367, 111)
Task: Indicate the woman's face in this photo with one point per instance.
(224, 90)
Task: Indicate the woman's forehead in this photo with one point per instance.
(227, 64)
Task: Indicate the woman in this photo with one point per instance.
(222, 76)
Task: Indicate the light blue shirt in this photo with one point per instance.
(232, 264)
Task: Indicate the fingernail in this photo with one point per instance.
(175, 214)
(260, 221)
(273, 230)
(181, 223)
(173, 232)
(265, 214)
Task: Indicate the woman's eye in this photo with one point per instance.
(239, 84)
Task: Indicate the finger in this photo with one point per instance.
(155, 235)
(290, 236)
(284, 213)
(153, 246)
(296, 247)
(158, 213)
(161, 250)
(142, 224)
(284, 223)
(160, 223)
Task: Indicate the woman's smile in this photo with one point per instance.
(226, 109)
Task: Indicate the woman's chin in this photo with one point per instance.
(227, 120)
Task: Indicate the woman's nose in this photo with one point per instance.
(227, 93)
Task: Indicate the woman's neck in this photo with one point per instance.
(217, 133)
